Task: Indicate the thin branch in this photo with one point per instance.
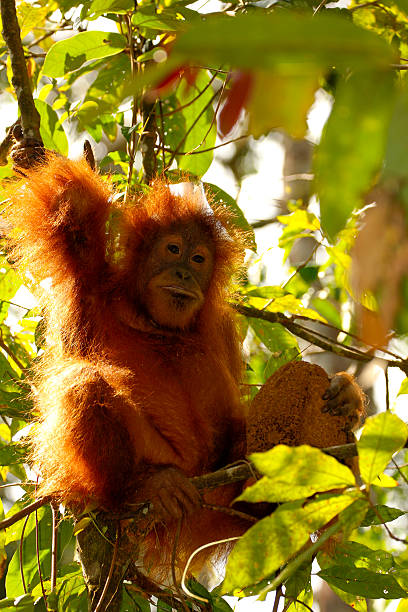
(399, 469)
(162, 137)
(54, 547)
(135, 103)
(24, 512)
(387, 389)
(384, 524)
(20, 552)
(30, 118)
(231, 512)
(10, 353)
(187, 132)
(304, 556)
(37, 549)
(263, 222)
(317, 9)
(300, 267)
(200, 93)
(318, 339)
(64, 25)
(278, 596)
(99, 607)
(223, 144)
(213, 120)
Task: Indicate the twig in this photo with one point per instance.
(317, 9)
(387, 389)
(263, 222)
(213, 120)
(183, 106)
(99, 607)
(387, 529)
(278, 596)
(10, 353)
(37, 549)
(318, 339)
(300, 267)
(399, 469)
(30, 118)
(231, 512)
(187, 132)
(223, 144)
(20, 549)
(24, 512)
(162, 136)
(54, 547)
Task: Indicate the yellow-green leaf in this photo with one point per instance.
(383, 435)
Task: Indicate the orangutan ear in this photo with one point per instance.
(89, 155)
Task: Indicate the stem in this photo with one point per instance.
(10, 353)
(196, 120)
(300, 559)
(223, 144)
(24, 512)
(54, 546)
(30, 118)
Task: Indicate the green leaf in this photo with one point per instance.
(397, 148)
(382, 436)
(14, 586)
(282, 344)
(10, 281)
(133, 601)
(82, 524)
(271, 542)
(111, 83)
(222, 198)
(30, 17)
(103, 7)
(166, 20)
(70, 54)
(404, 387)
(355, 554)
(381, 514)
(282, 38)
(71, 589)
(295, 472)
(51, 130)
(363, 582)
(328, 310)
(23, 603)
(200, 130)
(12, 453)
(360, 115)
(299, 583)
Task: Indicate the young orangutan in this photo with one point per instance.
(139, 386)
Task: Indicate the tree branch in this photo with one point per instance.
(318, 339)
(30, 118)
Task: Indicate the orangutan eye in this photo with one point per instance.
(173, 248)
(198, 259)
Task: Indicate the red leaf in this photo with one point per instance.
(237, 97)
(190, 74)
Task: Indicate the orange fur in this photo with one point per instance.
(117, 394)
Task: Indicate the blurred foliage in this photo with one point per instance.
(159, 83)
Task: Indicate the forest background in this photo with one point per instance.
(218, 92)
